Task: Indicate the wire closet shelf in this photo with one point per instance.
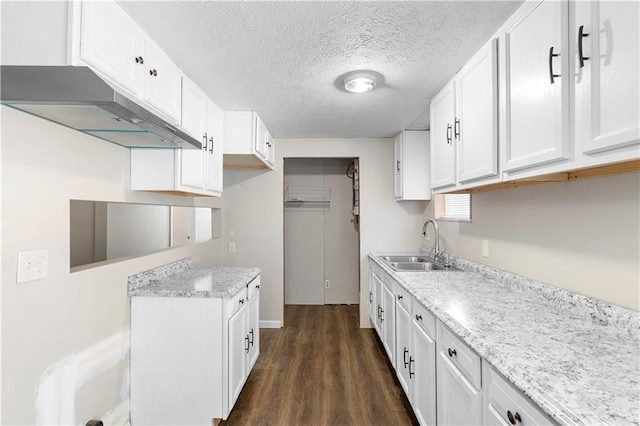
(318, 196)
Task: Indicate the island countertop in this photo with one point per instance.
(181, 279)
(577, 358)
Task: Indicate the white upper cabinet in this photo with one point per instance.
(535, 86)
(248, 142)
(411, 167)
(214, 149)
(607, 78)
(476, 123)
(161, 82)
(194, 122)
(113, 45)
(185, 171)
(443, 149)
(464, 124)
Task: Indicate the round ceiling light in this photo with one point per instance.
(360, 81)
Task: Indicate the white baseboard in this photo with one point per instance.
(270, 324)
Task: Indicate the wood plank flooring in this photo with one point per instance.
(321, 369)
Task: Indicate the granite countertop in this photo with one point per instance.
(577, 358)
(181, 279)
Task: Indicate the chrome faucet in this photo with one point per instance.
(436, 244)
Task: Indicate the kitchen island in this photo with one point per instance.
(194, 340)
(575, 358)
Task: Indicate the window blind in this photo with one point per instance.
(457, 206)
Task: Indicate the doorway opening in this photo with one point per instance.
(321, 231)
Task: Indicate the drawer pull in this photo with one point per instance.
(513, 418)
(406, 351)
(418, 317)
(452, 352)
(399, 297)
(246, 339)
(241, 301)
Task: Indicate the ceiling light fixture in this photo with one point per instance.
(360, 81)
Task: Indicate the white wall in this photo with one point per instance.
(582, 236)
(44, 165)
(254, 214)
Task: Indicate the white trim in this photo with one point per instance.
(270, 324)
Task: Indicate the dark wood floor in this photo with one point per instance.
(321, 369)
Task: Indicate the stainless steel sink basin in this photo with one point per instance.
(406, 259)
(416, 266)
(414, 263)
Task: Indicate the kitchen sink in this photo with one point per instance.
(415, 263)
(406, 259)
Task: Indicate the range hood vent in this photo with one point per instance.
(78, 98)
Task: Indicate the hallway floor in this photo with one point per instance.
(321, 369)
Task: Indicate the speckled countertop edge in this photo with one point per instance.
(501, 356)
(181, 279)
(146, 277)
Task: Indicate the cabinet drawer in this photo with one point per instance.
(504, 402)
(253, 288)
(459, 353)
(374, 268)
(237, 302)
(425, 319)
(403, 297)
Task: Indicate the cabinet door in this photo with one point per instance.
(162, 82)
(194, 107)
(398, 165)
(443, 152)
(379, 302)
(607, 93)
(261, 138)
(423, 398)
(403, 348)
(458, 401)
(213, 156)
(535, 86)
(373, 303)
(254, 330)
(271, 149)
(476, 124)
(388, 323)
(238, 350)
(111, 44)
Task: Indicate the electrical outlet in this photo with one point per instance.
(232, 247)
(485, 248)
(327, 284)
(33, 265)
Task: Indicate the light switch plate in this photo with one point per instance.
(232, 247)
(32, 265)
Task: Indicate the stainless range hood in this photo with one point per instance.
(77, 98)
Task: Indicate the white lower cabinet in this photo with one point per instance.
(190, 356)
(504, 405)
(388, 316)
(445, 381)
(459, 396)
(416, 357)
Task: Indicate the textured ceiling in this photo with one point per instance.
(282, 58)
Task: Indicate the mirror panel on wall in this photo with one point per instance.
(102, 231)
